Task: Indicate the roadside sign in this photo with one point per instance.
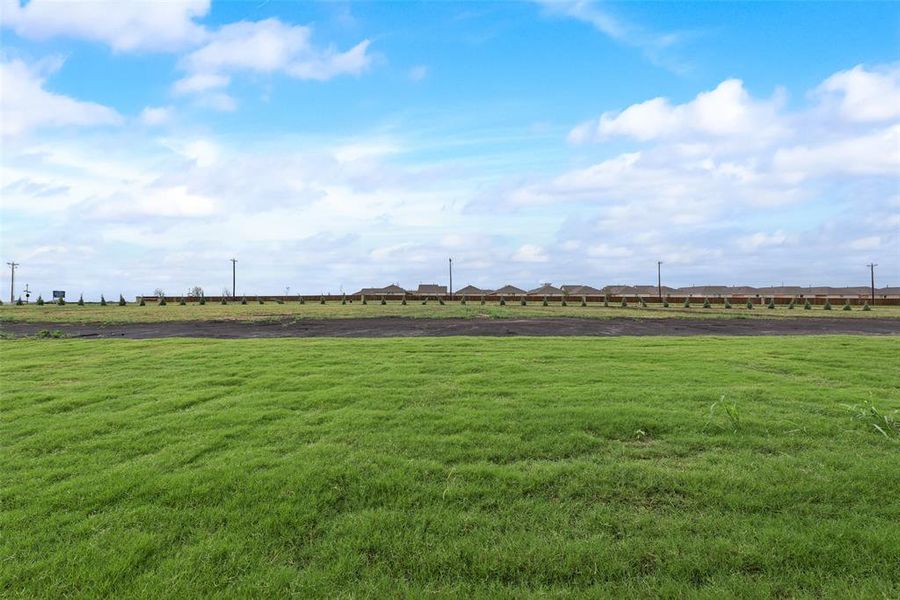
(59, 294)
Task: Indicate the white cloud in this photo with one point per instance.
(864, 95)
(876, 153)
(418, 73)
(870, 242)
(657, 47)
(200, 82)
(156, 115)
(267, 46)
(26, 105)
(761, 239)
(530, 253)
(727, 110)
(122, 25)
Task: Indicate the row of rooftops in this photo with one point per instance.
(547, 289)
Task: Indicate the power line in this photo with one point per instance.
(872, 273)
(12, 281)
(233, 277)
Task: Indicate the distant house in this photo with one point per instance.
(579, 290)
(388, 290)
(546, 290)
(509, 290)
(431, 289)
(471, 290)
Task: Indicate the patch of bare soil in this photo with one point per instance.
(405, 327)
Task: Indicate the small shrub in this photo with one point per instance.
(545, 303)
(866, 307)
(706, 303)
(624, 302)
(243, 301)
(605, 301)
(202, 301)
(403, 301)
(302, 300)
(727, 303)
(343, 299)
(666, 301)
(502, 301)
(749, 304)
(771, 303)
(482, 301)
(791, 304)
(162, 300)
(583, 301)
(260, 300)
(563, 303)
(363, 300)
(846, 305)
(441, 301)
(102, 300)
(223, 301)
(807, 305)
(827, 304)
(19, 301)
(39, 301)
(462, 300)
(47, 334)
(182, 301)
(142, 303)
(81, 300)
(322, 300)
(61, 301)
(383, 301)
(643, 302)
(279, 301)
(522, 302)
(687, 302)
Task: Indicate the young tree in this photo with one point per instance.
(122, 300)
(102, 300)
(81, 300)
(39, 301)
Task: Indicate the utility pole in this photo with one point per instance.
(451, 279)
(872, 273)
(659, 279)
(12, 281)
(233, 277)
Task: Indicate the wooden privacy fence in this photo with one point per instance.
(593, 299)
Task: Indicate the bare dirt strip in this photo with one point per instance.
(406, 327)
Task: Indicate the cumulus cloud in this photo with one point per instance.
(25, 104)
(864, 95)
(530, 253)
(724, 175)
(122, 25)
(156, 115)
(267, 46)
(727, 110)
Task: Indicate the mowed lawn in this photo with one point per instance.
(463, 467)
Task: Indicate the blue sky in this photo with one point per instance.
(333, 146)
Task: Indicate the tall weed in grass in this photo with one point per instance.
(886, 424)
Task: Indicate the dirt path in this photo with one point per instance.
(405, 327)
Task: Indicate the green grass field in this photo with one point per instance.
(94, 313)
(463, 467)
